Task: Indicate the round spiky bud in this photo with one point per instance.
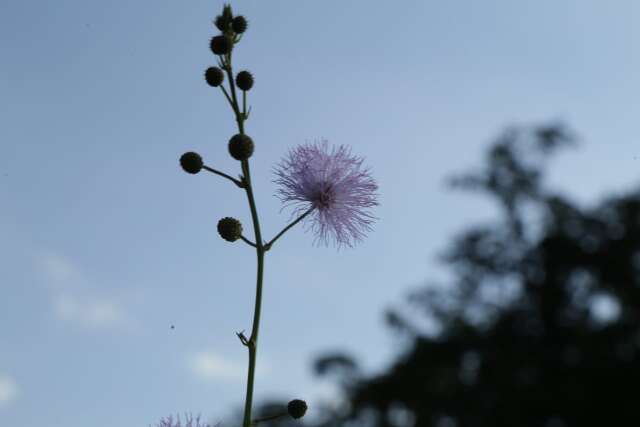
(214, 76)
(239, 24)
(240, 147)
(297, 408)
(230, 229)
(191, 162)
(244, 80)
(221, 45)
(222, 23)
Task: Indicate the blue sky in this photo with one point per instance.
(105, 242)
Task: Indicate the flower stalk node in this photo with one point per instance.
(243, 338)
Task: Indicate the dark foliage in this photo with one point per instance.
(541, 326)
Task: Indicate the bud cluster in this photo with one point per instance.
(240, 145)
(228, 24)
(231, 28)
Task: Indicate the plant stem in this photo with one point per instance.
(252, 343)
(253, 339)
(269, 418)
(247, 241)
(300, 218)
(224, 175)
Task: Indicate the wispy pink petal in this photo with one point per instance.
(335, 184)
(189, 422)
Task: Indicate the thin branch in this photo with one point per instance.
(247, 241)
(300, 218)
(226, 95)
(268, 418)
(243, 339)
(252, 342)
(244, 104)
(222, 174)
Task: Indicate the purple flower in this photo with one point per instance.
(334, 185)
(189, 422)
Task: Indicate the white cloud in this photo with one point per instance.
(60, 272)
(89, 311)
(8, 390)
(76, 299)
(212, 366)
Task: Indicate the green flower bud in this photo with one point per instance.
(227, 13)
(230, 229)
(191, 162)
(244, 80)
(240, 147)
(222, 23)
(297, 408)
(214, 76)
(239, 24)
(221, 45)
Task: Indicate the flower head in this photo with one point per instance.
(189, 422)
(334, 186)
(297, 408)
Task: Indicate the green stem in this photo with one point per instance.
(252, 343)
(222, 174)
(244, 104)
(234, 98)
(247, 241)
(253, 339)
(226, 95)
(269, 418)
(300, 218)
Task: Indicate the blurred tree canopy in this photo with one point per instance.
(540, 325)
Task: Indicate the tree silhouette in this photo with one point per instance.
(540, 326)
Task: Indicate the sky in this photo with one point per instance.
(105, 242)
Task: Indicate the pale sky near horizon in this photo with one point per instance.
(105, 243)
